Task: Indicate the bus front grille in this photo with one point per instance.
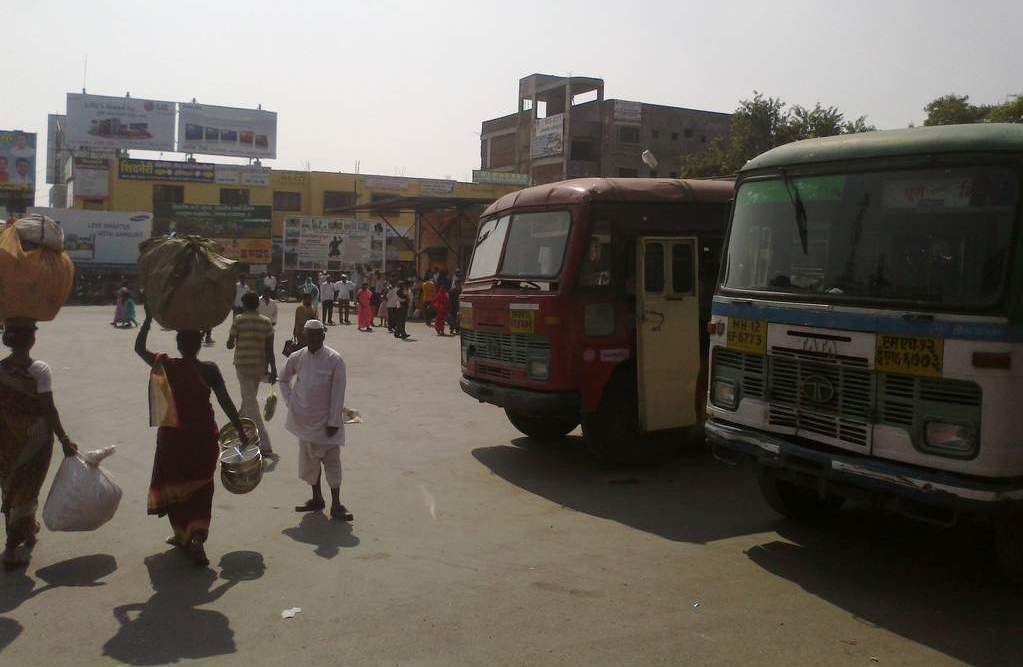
(507, 348)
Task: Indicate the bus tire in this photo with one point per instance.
(543, 426)
(1009, 546)
(796, 502)
(612, 434)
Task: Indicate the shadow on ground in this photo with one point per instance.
(937, 587)
(326, 534)
(692, 498)
(168, 627)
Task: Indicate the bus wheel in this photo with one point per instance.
(543, 426)
(1009, 546)
(797, 502)
(612, 432)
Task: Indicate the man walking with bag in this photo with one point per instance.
(252, 338)
(313, 388)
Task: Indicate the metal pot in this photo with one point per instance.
(241, 467)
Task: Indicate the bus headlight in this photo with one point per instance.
(465, 355)
(724, 394)
(537, 369)
(951, 439)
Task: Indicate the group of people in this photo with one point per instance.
(312, 385)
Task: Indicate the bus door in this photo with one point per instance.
(667, 332)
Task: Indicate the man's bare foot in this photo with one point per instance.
(341, 513)
(314, 505)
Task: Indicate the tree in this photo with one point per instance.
(759, 125)
(1009, 112)
(954, 110)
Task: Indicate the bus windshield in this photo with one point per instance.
(535, 246)
(930, 237)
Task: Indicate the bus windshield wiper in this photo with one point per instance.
(800, 210)
(504, 282)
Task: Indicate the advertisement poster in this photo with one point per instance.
(91, 177)
(229, 174)
(17, 161)
(481, 176)
(101, 237)
(164, 170)
(332, 244)
(97, 121)
(243, 231)
(548, 136)
(214, 130)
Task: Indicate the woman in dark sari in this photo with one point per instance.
(28, 421)
(186, 444)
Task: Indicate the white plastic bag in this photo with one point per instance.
(83, 496)
(38, 230)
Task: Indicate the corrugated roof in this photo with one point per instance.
(980, 137)
(584, 190)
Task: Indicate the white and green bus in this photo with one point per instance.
(867, 331)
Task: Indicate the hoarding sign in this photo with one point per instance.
(436, 186)
(17, 161)
(249, 251)
(332, 244)
(215, 221)
(101, 237)
(91, 177)
(227, 174)
(214, 130)
(97, 121)
(628, 112)
(548, 136)
(483, 176)
(386, 183)
(162, 170)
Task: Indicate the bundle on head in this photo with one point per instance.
(36, 274)
(188, 284)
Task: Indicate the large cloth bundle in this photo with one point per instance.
(36, 274)
(187, 283)
(83, 496)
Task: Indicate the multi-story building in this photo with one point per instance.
(564, 128)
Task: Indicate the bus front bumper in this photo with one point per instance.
(871, 477)
(520, 399)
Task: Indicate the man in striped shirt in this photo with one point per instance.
(252, 338)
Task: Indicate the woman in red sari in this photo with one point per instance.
(186, 444)
(365, 309)
(28, 422)
(440, 306)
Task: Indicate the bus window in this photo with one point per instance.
(682, 268)
(596, 268)
(653, 268)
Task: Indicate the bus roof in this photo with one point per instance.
(977, 138)
(586, 190)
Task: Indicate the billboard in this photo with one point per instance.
(332, 244)
(483, 176)
(243, 231)
(213, 130)
(17, 161)
(98, 122)
(229, 174)
(548, 136)
(101, 237)
(165, 170)
(91, 177)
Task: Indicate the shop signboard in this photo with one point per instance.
(108, 238)
(230, 174)
(484, 176)
(548, 136)
(215, 130)
(165, 170)
(98, 122)
(17, 161)
(332, 244)
(433, 186)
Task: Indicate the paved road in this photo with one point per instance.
(472, 545)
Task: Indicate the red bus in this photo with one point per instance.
(587, 302)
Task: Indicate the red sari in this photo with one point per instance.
(440, 306)
(186, 456)
(365, 309)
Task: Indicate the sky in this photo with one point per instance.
(402, 87)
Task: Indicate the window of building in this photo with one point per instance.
(703, 138)
(337, 201)
(672, 174)
(653, 173)
(172, 194)
(502, 151)
(674, 136)
(625, 172)
(655, 134)
(287, 201)
(377, 198)
(583, 149)
(689, 133)
(92, 204)
(628, 135)
(234, 196)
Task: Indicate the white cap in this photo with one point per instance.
(315, 325)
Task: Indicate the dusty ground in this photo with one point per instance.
(472, 545)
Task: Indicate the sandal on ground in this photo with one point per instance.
(311, 506)
(173, 541)
(341, 513)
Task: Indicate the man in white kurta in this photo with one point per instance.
(313, 387)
